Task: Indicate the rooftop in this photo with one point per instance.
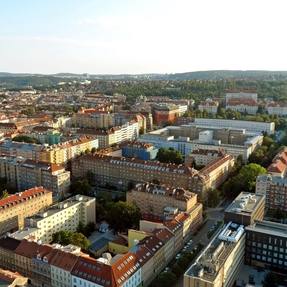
(245, 203)
(23, 196)
(212, 258)
(269, 227)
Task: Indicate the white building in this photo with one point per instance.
(278, 109)
(65, 215)
(209, 106)
(243, 102)
(249, 126)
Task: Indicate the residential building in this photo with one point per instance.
(12, 279)
(65, 215)
(245, 209)
(202, 157)
(244, 102)
(160, 200)
(122, 172)
(219, 263)
(164, 113)
(22, 174)
(139, 150)
(209, 106)
(266, 245)
(276, 108)
(274, 184)
(187, 138)
(59, 154)
(16, 207)
(249, 126)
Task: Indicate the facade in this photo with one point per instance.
(65, 215)
(187, 138)
(15, 208)
(249, 126)
(245, 209)
(279, 109)
(202, 157)
(121, 172)
(58, 154)
(23, 174)
(164, 113)
(243, 102)
(266, 245)
(220, 262)
(274, 184)
(139, 150)
(156, 199)
(210, 106)
(12, 279)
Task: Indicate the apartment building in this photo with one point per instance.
(164, 113)
(202, 157)
(63, 152)
(121, 172)
(160, 200)
(266, 245)
(245, 209)
(249, 126)
(209, 106)
(139, 150)
(12, 279)
(65, 215)
(274, 184)
(15, 208)
(276, 108)
(187, 138)
(219, 263)
(23, 174)
(59, 154)
(243, 102)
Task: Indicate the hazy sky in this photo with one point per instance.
(122, 36)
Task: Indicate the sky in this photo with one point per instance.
(142, 36)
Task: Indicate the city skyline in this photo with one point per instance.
(141, 36)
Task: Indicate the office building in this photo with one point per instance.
(16, 207)
(219, 263)
(266, 245)
(245, 209)
(187, 138)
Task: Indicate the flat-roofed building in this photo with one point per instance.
(219, 263)
(16, 207)
(266, 245)
(245, 209)
(65, 215)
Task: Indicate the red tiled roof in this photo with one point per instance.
(17, 198)
(64, 260)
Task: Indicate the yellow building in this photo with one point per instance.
(15, 208)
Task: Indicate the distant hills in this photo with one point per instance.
(10, 80)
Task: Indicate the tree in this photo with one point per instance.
(213, 197)
(81, 186)
(3, 194)
(86, 229)
(93, 150)
(123, 215)
(270, 280)
(169, 155)
(165, 279)
(66, 237)
(25, 139)
(245, 180)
